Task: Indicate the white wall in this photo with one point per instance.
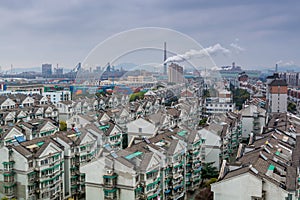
(241, 187)
(213, 155)
(94, 172)
(55, 97)
(212, 146)
(273, 192)
(147, 128)
(280, 104)
(247, 126)
(127, 194)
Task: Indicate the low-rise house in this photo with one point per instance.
(6, 103)
(140, 128)
(38, 128)
(10, 135)
(40, 99)
(65, 109)
(79, 121)
(8, 117)
(22, 100)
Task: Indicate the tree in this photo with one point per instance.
(62, 126)
(125, 140)
(206, 93)
(212, 180)
(202, 122)
(204, 194)
(208, 171)
(138, 95)
(292, 107)
(240, 96)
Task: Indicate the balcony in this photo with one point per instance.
(9, 184)
(9, 194)
(111, 197)
(110, 180)
(140, 196)
(110, 194)
(177, 176)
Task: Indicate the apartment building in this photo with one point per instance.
(222, 103)
(32, 170)
(267, 168)
(253, 120)
(165, 166)
(276, 95)
(80, 147)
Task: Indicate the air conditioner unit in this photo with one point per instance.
(109, 171)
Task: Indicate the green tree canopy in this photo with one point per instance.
(62, 126)
(208, 171)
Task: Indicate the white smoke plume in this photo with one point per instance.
(288, 63)
(237, 48)
(209, 51)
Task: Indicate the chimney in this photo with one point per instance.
(165, 58)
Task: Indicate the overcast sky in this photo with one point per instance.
(33, 32)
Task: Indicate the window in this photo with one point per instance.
(82, 148)
(30, 188)
(83, 158)
(44, 162)
(8, 165)
(151, 187)
(140, 130)
(107, 181)
(45, 195)
(151, 175)
(8, 190)
(30, 164)
(8, 178)
(110, 194)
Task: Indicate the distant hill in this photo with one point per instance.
(284, 68)
(294, 68)
(29, 69)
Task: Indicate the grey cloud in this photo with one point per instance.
(67, 30)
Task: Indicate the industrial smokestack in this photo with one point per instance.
(276, 68)
(165, 58)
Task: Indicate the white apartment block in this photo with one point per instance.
(221, 104)
(56, 96)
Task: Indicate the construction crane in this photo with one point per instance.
(77, 68)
